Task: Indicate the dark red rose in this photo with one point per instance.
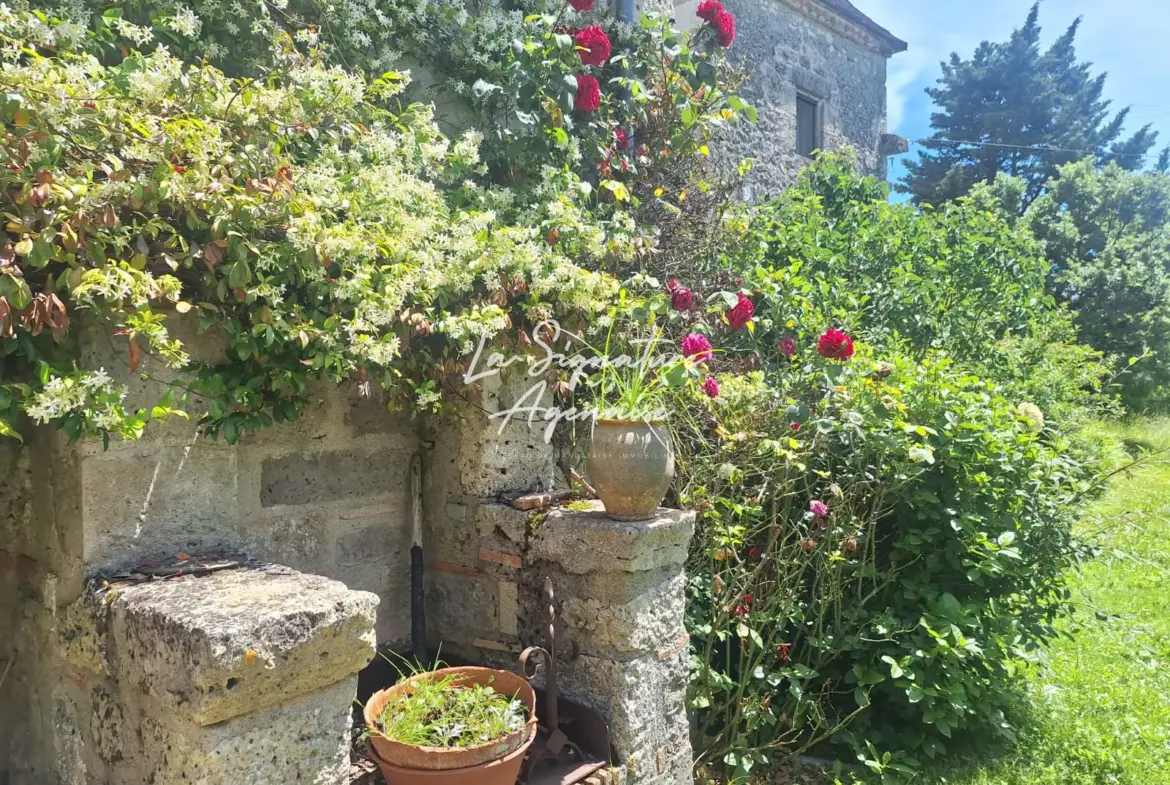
(835, 345)
(582, 5)
(787, 346)
(593, 45)
(621, 139)
(588, 93)
(795, 427)
(784, 651)
(754, 553)
(709, 11)
(681, 298)
(697, 347)
(725, 26)
(741, 314)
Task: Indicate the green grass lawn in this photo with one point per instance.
(1101, 698)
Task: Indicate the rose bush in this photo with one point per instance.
(882, 548)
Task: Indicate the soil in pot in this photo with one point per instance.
(461, 721)
(631, 465)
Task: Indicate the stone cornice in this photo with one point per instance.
(843, 27)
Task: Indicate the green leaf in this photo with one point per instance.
(922, 455)
(239, 274)
(895, 669)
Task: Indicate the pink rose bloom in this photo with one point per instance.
(711, 387)
(818, 508)
(741, 314)
(697, 347)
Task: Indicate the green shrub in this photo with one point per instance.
(1107, 239)
(965, 281)
(902, 617)
(322, 231)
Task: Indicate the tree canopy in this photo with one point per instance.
(1014, 108)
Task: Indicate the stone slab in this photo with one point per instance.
(227, 644)
(585, 542)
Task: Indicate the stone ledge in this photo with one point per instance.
(587, 541)
(230, 643)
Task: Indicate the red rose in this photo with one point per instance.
(835, 345)
(697, 347)
(681, 298)
(787, 347)
(582, 5)
(593, 45)
(725, 26)
(784, 651)
(709, 11)
(588, 93)
(621, 139)
(754, 553)
(741, 314)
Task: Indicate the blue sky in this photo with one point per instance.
(1129, 39)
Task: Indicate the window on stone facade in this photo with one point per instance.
(808, 125)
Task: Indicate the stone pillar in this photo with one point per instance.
(620, 591)
(243, 676)
(473, 543)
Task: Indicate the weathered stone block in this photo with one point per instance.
(588, 542)
(652, 621)
(154, 500)
(502, 519)
(304, 741)
(462, 606)
(234, 642)
(331, 475)
(643, 701)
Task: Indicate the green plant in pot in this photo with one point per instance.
(454, 726)
(631, 454)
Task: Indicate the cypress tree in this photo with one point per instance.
(1030, 111)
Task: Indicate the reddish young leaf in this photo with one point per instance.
(212, 255)
(135, 354)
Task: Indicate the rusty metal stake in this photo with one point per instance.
(556, 759)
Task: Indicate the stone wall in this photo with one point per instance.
(105, 678)
(783, 51)
(327, 494)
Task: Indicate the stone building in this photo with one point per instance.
(817, 76)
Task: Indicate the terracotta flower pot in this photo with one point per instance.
(631, 465)
(495, 763)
